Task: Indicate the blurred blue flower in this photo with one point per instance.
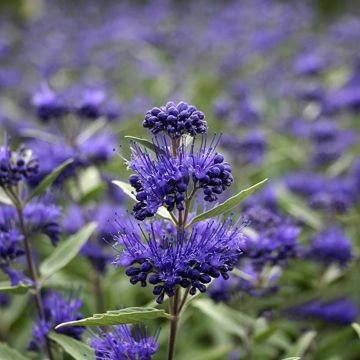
(57, 309)
(120, 344)
(331, 246)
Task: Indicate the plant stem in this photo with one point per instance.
(32, 272)
(174, 310)
(98, 292)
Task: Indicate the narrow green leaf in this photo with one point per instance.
(7, 353)
(4, 199)
(148, 144)
(129, 191)
(224, 317)
(227, 205)
(91, 130)
(48, 180)
(20, 289)
(356, 327)
(296, 207)
(292, 358)
(75, 348)
(42, 135)
(302, 345)
(66, 251)
(215, 353)
(129, 315)
(126, 188)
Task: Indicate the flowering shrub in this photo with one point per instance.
(227, 229)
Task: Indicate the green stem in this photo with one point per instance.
(174, 311)
(32, 273)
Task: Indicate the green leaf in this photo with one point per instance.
(20, 289)
(129, 315)
(4, 199)
(77, 349)
(91, 130)
(302, 345)
(7, 353)
(48, 180)
(129, 191)
(292, 358)
(227, 205)
(225, 317)
(66, 251)
(146, 143)
(296, 207)
(356, 327)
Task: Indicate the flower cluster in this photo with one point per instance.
(50, 105)
(175, 120)
(165, 180)
(120, 344)
(340, 311)
(191, 260)
(57, 310)
(16, 165)
(334, 195)
(331, 246)
(270, 238)
(39, 218)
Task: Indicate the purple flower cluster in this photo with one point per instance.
(175, 120)
(191, 260)
(39, 218)
(331, 246)
(120, 344)
(50, 105)
(271, 238)
(166, 180)
(341, 311)
(334, 195)
(16, 165)
(57, 310)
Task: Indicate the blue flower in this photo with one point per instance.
(175, 120)
(331, 246)
(270, 238)
(120, 344)
(57, 310)
(189, 260)
(340, 311)
(43, 218)
(48, 105)
(164, 181)
(16, 165)
(90, 104)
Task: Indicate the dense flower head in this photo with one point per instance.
(98, 148)
(270, 238)
(189, 260)
(57, 310)
(90, 104)
(45, 219)
(165, 180)
(176, 120)
(48, 104)
(53, 155)
(340, 311)
(120, 344)
(16, 165)
(331, 246)
(330, 142)
(247, 150)
(337, 194)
